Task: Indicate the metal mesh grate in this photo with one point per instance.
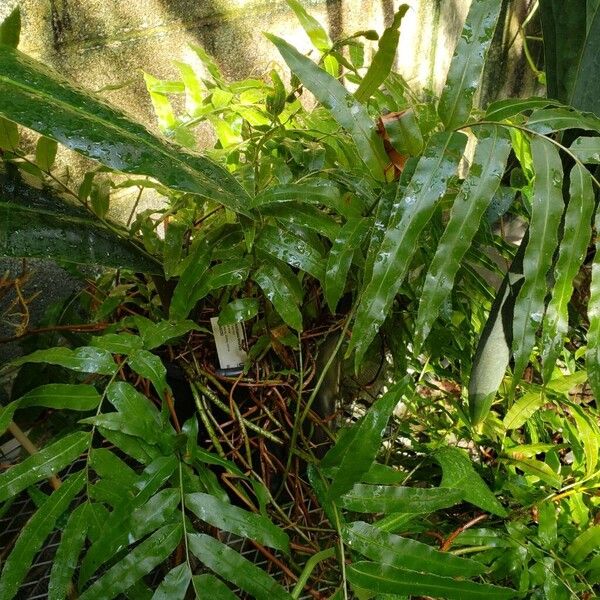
(36, 583)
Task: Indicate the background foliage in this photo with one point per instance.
(362, 242)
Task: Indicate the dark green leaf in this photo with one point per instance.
(383, 61)
(155, 512)
(577, 232)
(53, 395)
(34, 96)
(546, 207)
(467, 63)
(592, 356)
(209, 586)
(366, 498)
(349, 113)
(233, 567)
(241, 309)
(139, 562)
(157, 334)
(185, 293)
(384, 579)
(291, 249)
(118, 343)
(33, 534)
(360, 453)
(36, 223)
(150, 366)
(469, 206)
(282, 289)
(547, 120)
(235, 520)
(315, 191)
(68, 551)
(85, 359)
(175, 584)
(587, 149)
(505, 109)
(349, 238)
(404, 553)
(458, 473)
(493, 350)
(43, 464)
(10, 29)
(410, 214)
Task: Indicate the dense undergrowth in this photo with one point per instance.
(416, 413)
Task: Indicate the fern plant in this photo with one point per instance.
(370, 205)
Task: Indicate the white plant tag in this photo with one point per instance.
(231, 343)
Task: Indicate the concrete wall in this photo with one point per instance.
(108, 43)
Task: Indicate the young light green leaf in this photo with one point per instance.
(45, 153)
(360, 454)
(384, 579)
(367, 498)
(318, 36)
(467, 63)
(34, 96)
(209, 586)
(43, 464)
(344, 108)
(233, 567)
(282, 290)
(33, 534)
(85, 359)
(583, 544)
(383, 61)
(404, 553)
(9, 135)
(546, 209)
(522, 409)
(577, 232)
(68, 551)
(458, 473)
(410, 214)
(10, 28)
(468, 208)
(348, 240)
(235, 520)
(538, 469)
(139, 562)
(175, 584)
